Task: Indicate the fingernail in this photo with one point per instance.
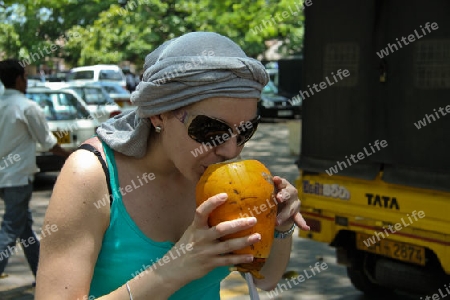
(249, 258)
(251, 221)
(222, 196)
(256, 236)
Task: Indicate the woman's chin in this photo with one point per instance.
(202, 170)
(195, 175)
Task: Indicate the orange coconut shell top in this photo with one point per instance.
(250, 190)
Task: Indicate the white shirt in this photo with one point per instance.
(22, 124)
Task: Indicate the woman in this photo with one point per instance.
(152, 242)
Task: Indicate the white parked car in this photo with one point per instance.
(68, 118)
(111, 73)
(98, 101)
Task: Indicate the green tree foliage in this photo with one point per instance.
(9, 39)
(39, 24)
(251, 22)
(110, 33)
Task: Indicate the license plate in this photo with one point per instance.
(123, 102)
(63, 137)
(284, 113)
(397, 250)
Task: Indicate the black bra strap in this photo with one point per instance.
(94, 150)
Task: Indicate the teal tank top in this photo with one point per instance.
(126, 251)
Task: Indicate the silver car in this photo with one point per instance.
(118, 94)
(101, 106)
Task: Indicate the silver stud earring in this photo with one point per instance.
(158, 129)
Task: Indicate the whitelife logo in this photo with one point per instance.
(130, 6)
(360, 155)
(372, 240)
(220, 139)
(36, 56)
(281, 287)
(285, 14)
(439, 296)
(9, 161)
(128, 189)
(411, 38)
(170, 256)
(195, 61)
(49, 229)
(342, 74)
(262, 208)
(431, 118)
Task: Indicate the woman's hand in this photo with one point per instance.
(206, 251)
(288, 205)
(288, 214)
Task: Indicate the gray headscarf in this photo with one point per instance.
(182, 71)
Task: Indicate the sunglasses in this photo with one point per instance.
(204, 129)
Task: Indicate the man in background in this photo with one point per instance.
(22, 124)
(130, 79)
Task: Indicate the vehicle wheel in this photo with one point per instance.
(360, 277)
(363, 283)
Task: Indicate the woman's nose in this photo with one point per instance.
(229, 149)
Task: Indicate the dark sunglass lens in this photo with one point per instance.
(245, 135)
(204, 129)
(217, 136)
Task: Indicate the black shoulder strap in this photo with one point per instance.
(97, 153)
